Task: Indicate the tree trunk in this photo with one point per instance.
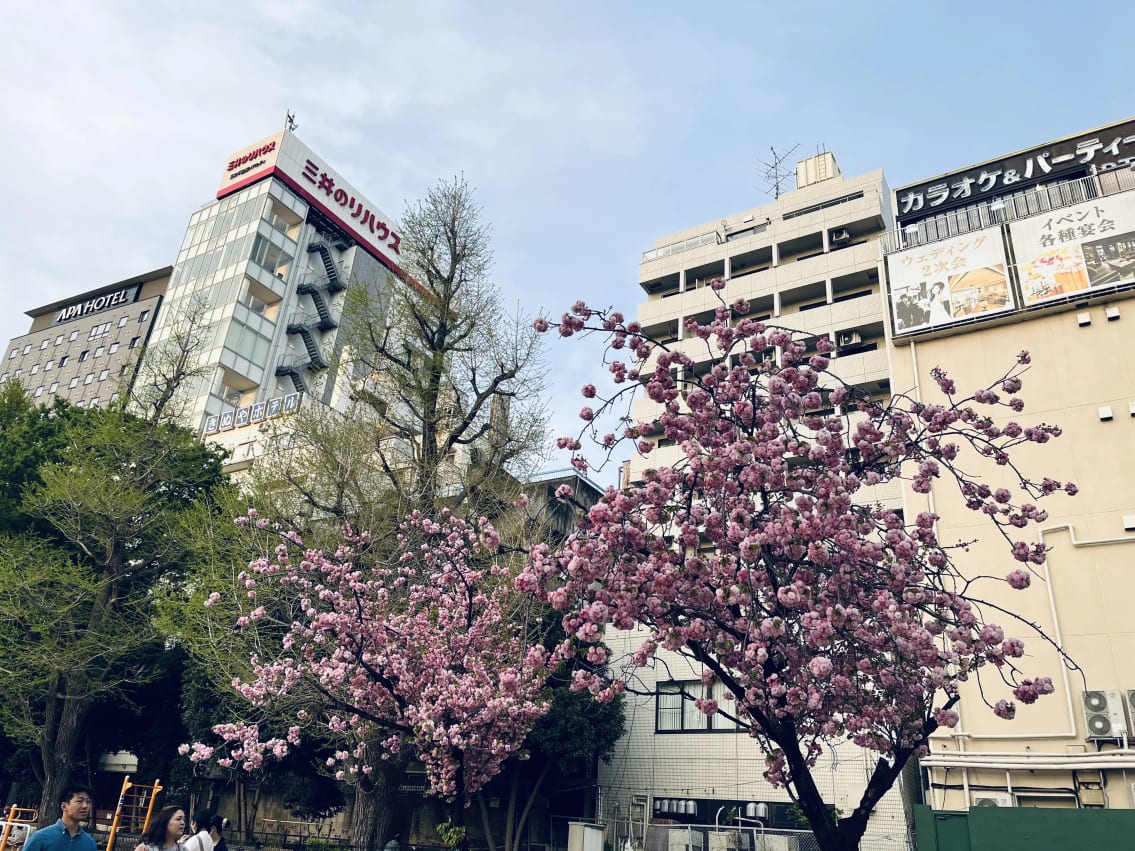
(522, 821)
(58, 744)
(373, 813)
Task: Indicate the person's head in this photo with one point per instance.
(202, 820)
(75, 802)
(218, 826)
(936, 288)
(167, 827)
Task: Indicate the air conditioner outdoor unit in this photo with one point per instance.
(840, 235)
(1103, 714)
(992, 799)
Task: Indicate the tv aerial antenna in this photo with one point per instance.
(290, 122)
(778, 176)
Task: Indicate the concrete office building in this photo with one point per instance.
(262, 272)
(85, 348)
(810, 261)
(1036, 250)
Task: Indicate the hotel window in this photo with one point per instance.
(54, 386)
(3, 378)
(48, 365)
(678, 713)
(113, 348)
(94, 403)
(103, 374)
(90, 377)
(59, 339)
(83, 355)
(13, 353)
(143, 316)
(44, 344)
(74, 336)
(100, 330)
(16, 374)
(27, 348)
(73, 383)
(63, 359)
(99, 351)
(34, 369)
(38, 391)
(134, 342)
(122, 322)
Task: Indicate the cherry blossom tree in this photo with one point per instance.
(759, 553)
(424, 650)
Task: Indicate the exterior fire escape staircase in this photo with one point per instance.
(335, 281)
(306, 325)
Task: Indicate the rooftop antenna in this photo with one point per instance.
(290, 122)
(777, 175)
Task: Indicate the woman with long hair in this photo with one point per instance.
(165, 831)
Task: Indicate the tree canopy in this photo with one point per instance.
(759, 552)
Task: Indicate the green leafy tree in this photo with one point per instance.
(566, 743)
(90, 533)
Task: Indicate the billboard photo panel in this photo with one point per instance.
(1076, 248)
(948, 281)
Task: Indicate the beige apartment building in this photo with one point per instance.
(810, 261)
(978, 270)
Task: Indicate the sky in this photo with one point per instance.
(589, 129)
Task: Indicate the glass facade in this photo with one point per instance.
(232, 273)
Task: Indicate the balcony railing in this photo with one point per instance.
(1008, 208)
(711, 238)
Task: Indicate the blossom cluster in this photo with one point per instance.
(417, 648)
(759, 552)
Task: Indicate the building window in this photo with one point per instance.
(134, 342)
(113, 348)
(54, 386)
(103, 374)
(83, 355)
(143, 316)
(13, 353)
(44, 344)
(59, 339)
(90, 377)
(678, 713)
(122, 322)
(63, 360)
(94, 403)
(73, 383)
(99, 351)
(27, 348)
(48, 365)
(100, 330)
(38, 391)
(3, 378)
(34, 369)
(125, 370)
(16, 374)
(74, 336)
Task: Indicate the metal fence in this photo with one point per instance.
(752, 838)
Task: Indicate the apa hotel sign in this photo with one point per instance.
(79, 309)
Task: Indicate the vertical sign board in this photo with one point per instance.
(1082, 247)
(959, 278)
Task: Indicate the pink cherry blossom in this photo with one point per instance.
(416, 650)
(758, 553)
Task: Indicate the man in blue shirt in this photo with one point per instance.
(66, 834)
